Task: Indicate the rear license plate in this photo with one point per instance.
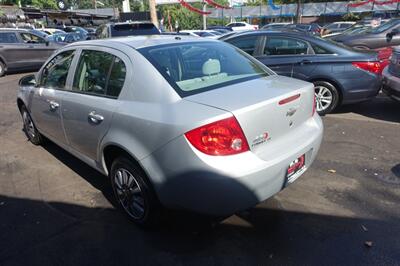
(294, 168)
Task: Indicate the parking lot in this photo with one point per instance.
(55, 210)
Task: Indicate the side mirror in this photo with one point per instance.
(47, 43)
(27, 81)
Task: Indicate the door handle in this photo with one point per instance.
(305, 62)
(54, 105)
(95, 118)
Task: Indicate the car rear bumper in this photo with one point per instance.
(361, 89)
(185, 178)
(391, 84)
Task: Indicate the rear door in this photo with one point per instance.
(89, 105)
(37, 49)
(287, 56)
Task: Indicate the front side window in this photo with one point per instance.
(8, 37)
(285, 46)
(99, 73)
(247, 44)
(31, 38)
(54, 74)
(192, 68)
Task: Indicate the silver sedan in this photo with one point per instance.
(174, 121)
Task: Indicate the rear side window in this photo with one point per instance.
(285, 46)
(8, 37)
(247, 44)
(99, 73)
(54, 74)
(320, 50)
(133, 29)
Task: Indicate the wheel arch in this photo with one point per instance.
(333, 82)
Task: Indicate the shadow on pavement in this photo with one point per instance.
(381, 108)
(37, 233)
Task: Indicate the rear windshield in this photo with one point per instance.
(192, 68)
(133, 29)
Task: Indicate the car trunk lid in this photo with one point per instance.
(266, 108)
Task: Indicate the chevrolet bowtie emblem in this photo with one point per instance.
(291, 112)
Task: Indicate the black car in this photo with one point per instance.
(23, 50)
(385, 35)
(110, 30)
(341, 75)
(312, 28)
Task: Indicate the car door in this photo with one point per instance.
(89, 105)
(47, 99)
(287, 56)
(10, 49)
(37, 50)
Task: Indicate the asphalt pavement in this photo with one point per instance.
(55, 210)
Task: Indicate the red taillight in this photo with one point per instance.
(224, 137)
(289, 99)
(314, 106)
(373, 67)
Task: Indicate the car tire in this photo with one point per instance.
(30, 129)
(326, 97)
(134, 193)
(2, 69)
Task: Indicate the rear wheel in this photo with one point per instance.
(2, 69)
(134, 193)
(326, 97)
(30, 129)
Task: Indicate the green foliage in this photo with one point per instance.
(351, 17)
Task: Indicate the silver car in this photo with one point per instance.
(175, 122)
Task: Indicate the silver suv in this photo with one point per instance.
(179, 122)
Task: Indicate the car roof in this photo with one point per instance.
(138, 42)
(12, 29)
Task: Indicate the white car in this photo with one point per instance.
(240, 26)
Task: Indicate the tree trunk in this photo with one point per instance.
(153, 12)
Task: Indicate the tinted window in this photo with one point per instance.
(133, 29)
(385, 26)
(195, 67)
(30, 38)
(99, 73)
(247, 44)
(55, 73)
(285, 46)
(345, 26)
(332, 26)
(8, 37)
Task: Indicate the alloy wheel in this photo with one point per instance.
(323, 98)
(129, 193)
(29, 127)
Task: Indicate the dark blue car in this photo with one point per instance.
(340, 74)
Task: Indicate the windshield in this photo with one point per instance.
(192, 68)
(384, 26)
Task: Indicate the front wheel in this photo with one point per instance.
(326, 97)
(2, 69)
(30, 129)
(134, 193)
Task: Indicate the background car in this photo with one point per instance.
(355, 29)
(201, 33)
(120, 29)
(272, 26)
(241, 26)
(65, 38)
(382, 36)
(341, 75)
(23, 50)
(222, 29)
(312, 28)
(336, 27)
(51, 31)
(391, 76)
(238, 146)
